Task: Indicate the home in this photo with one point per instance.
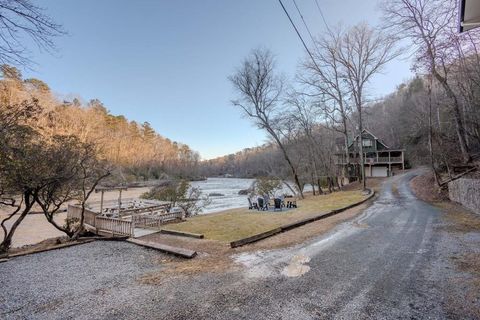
(379, 159)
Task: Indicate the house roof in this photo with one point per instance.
(374, 136)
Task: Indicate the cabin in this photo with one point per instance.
(379, 159)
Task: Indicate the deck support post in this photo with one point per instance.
(119, 201)
(101, 202)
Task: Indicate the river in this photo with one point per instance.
(229, 188)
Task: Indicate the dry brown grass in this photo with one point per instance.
(465, 304)
(425, 188)
(470, 263)
(372, 183)
(218, 263)
(459, 219)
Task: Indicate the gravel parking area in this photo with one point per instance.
(84, 281)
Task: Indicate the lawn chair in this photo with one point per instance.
(292, 204)
(277, 204)
(262, 205)
(252, 205)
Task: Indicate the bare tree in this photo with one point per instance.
(323, 80)
(363, 52)
(20, 19)
(37, 168)
(72, 171)
(305, 115)
(430, 24)
(260, 93)
(18, 151)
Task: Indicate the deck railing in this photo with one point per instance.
(118, 226)
(76, 212)
(155, 220)
(373, 160)
(114, 225)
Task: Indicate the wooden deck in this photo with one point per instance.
(125, 225)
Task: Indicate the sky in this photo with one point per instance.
(167, 62)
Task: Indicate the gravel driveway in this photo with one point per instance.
(73, 282)
(395, 261)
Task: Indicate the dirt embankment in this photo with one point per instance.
(463, 228)
(425, 188)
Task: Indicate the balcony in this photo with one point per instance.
(379, 160)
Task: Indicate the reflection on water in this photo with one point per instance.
(229, 188)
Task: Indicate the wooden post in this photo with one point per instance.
(101, 202)
(132, 230)
(377, 156)
(403, 162)
(119, 202)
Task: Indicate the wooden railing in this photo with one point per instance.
(155, 220)
(158, 208)
(90, 217)
(115, 226)
(76, 212)
(373, 160)
(107, 224)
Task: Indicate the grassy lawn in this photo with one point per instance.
(235, 224)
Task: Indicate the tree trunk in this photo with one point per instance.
(347, 154)
(80, 229)
(290, 164)
(430, 133)
(7, 240)
(460, 129)
(320, 191)
(360, 145)
(313, 184)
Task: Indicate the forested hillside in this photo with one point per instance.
(135, 149)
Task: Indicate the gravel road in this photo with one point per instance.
(392, 262)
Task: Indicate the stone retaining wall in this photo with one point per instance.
(466, 192)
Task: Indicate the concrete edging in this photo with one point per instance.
(182, 233)
(296, 224)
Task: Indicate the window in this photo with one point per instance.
(367, 143)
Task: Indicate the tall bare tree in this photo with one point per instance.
(363, 52)
(304, 114)
(430, 25)
(323, 80)
(260, 93)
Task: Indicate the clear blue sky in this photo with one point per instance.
(167, 62)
